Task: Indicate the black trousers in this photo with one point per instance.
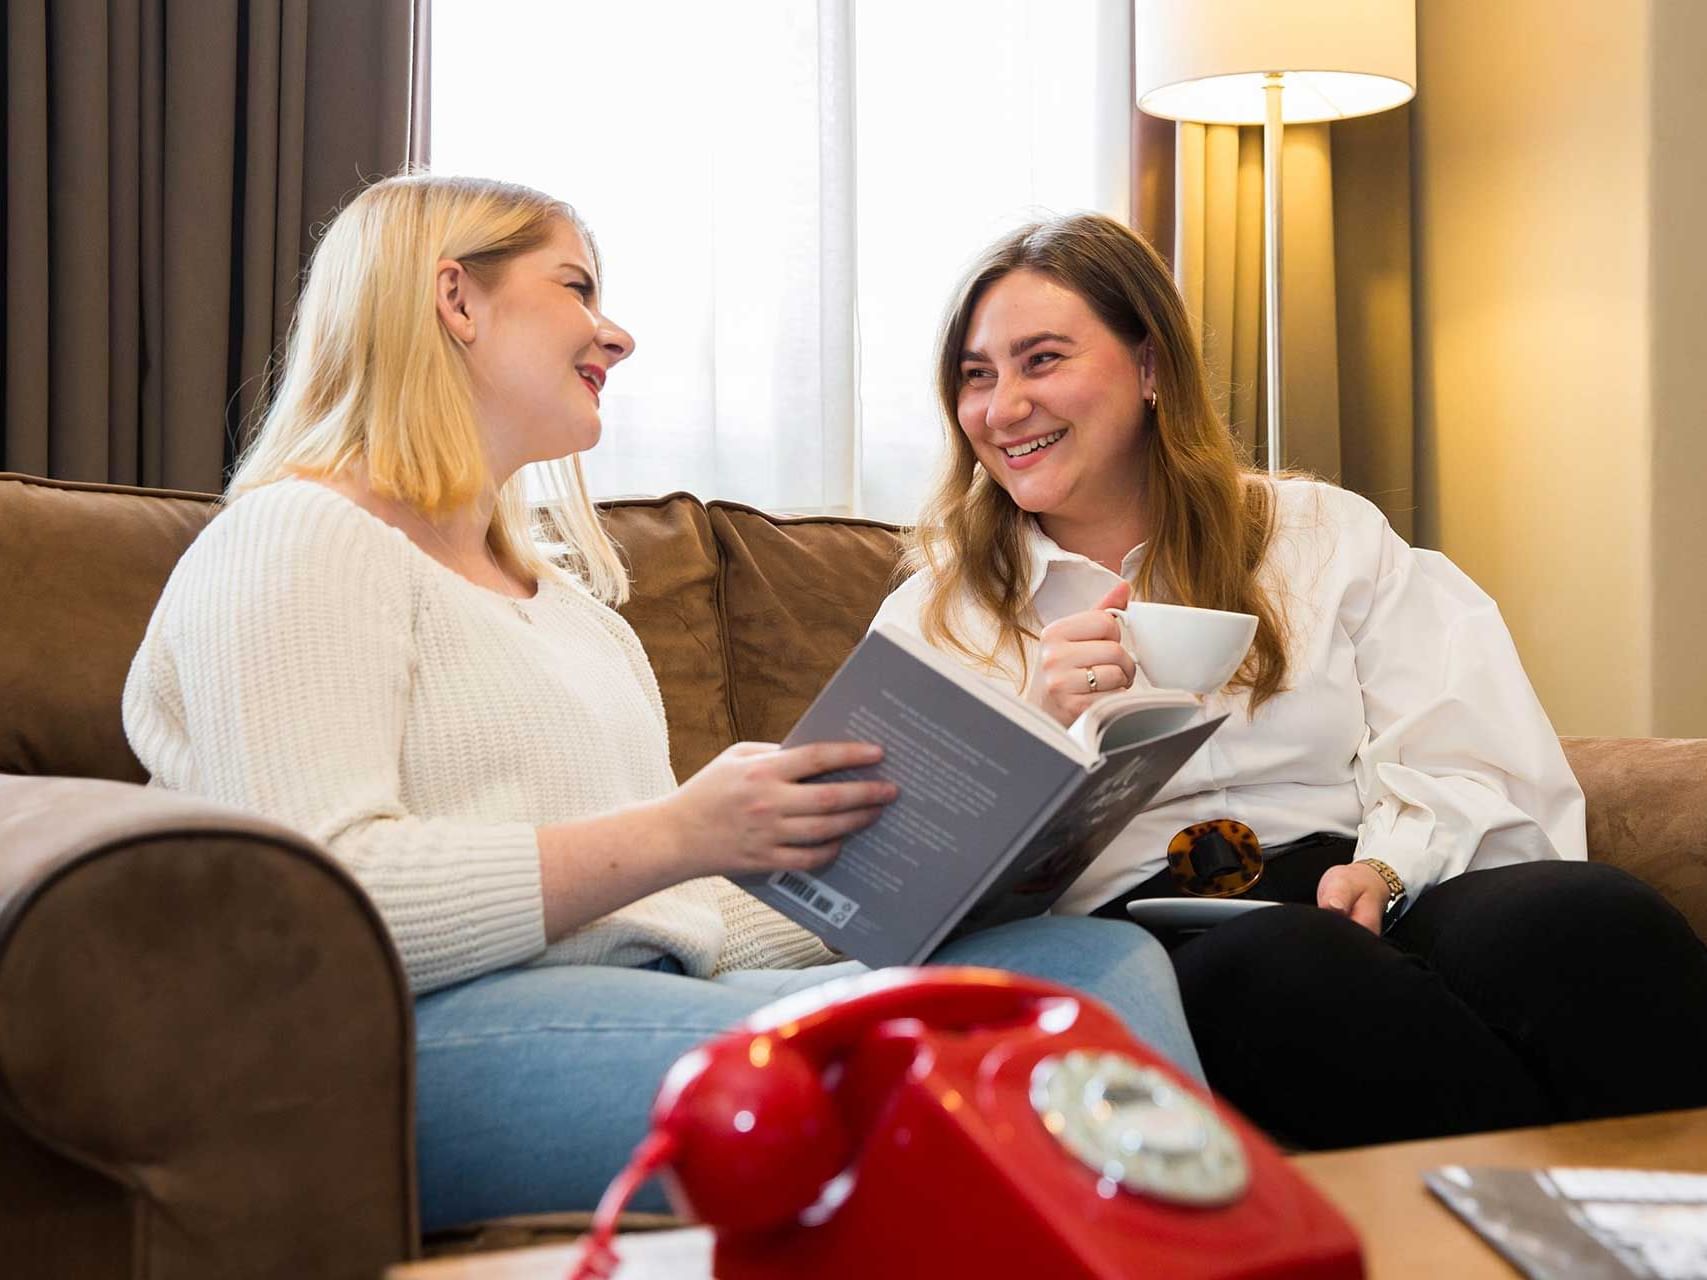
(1522, 995)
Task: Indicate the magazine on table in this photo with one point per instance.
(1584, 1223)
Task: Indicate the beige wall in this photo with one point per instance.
(1557, 335)
(1678, 269)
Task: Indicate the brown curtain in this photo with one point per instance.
(1346, 286)
(168, 163)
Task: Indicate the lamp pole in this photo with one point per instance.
(1271, 142)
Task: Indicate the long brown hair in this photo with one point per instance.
(1211, 516)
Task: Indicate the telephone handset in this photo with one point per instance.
(968, 1121)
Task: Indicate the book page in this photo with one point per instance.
(1132, 716)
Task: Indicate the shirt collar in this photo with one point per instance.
(1063, 582)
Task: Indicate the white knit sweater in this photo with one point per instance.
(308, 662)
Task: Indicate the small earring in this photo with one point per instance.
(1152, 402)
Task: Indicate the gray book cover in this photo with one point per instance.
(999, 809)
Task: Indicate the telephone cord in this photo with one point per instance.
(598, 1260)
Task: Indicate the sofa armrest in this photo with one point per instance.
(206, 1046)
(1647, 812)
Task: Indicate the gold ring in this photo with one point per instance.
(1091, 679)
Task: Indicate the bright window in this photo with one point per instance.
(784, 194)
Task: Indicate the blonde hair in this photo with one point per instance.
(1210, 515)
(371, 375)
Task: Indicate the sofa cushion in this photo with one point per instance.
(798, 593)
(672, 559)
(81, 566)
(1647, 813)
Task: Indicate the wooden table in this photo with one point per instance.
(648, 1255)
(1406, 1232)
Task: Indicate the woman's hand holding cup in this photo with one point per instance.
(1081, 643)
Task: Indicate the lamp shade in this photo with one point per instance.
(1205, 60)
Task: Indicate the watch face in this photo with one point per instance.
(1132, 1127)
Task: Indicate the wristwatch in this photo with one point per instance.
(1395, 890)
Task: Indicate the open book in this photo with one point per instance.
(1000, 808)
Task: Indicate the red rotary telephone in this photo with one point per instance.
(945, 1121)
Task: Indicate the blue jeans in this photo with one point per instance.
(534, 1085)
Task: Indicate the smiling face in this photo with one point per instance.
(538, 349)
(1051, 401)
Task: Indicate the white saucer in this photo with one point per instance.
(1190, 913)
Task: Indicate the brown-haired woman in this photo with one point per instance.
(1382, 739)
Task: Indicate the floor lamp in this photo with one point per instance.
(1273, 63)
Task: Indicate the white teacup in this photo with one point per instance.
(1184, 648)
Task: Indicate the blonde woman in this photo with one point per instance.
(1450, 963)
(368, 644)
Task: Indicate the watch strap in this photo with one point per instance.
(1396, 891)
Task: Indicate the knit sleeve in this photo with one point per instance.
(275, 676)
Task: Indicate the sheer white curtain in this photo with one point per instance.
(784, 192)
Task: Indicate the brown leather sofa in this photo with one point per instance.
(205, 1065)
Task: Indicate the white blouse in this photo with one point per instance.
(1406, 718)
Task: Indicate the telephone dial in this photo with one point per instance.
(967, 1122)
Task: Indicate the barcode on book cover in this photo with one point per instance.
(817, 897)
